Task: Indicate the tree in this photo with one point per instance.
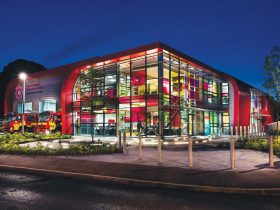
(12, 70)
(272, 76)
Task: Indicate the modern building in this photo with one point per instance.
(153, 87)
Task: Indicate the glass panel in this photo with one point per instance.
(138, 79)
(27, 107)
(124, 83)
(152, 80)
(47, 105)
(152, 121)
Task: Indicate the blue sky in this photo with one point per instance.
(232, 36)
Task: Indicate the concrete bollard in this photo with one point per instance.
(249, 132)
(119, 139)
(159, 149)
(190, 152)
(124, 143)
(271, 157)
(140, 146)
(245, 132)
(241, 136)
(232, 153)
(236, 132)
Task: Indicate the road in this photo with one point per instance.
(20, 190)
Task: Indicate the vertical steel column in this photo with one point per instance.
(179, 95)
(169, 95)
(91, 105)
(160, 95)
(130, 98)
(146, 92)
(118, 95)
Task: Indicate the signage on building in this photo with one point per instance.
(18, 92)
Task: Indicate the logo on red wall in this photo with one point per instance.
(18, 93)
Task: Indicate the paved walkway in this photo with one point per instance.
(210, 172)
(213, 160)
(177, 142)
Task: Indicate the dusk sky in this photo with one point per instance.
(232, 36)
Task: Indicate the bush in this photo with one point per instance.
(10, 144)
(30, 137)
(258, 144)
(12, 148)
(274, 132)
(261, 144)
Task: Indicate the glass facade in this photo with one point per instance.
(156, 92)
(255, 117)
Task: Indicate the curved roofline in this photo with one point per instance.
(139, 49)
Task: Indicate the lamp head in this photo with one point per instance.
(22, 76)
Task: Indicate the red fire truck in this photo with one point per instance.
(44, 122)
(48, 122)
(13, 122)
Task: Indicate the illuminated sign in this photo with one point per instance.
(18, 93)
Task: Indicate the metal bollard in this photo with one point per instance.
(236, 132)
(249, 132)
(190, 152)
(271, 157)
(159, 149)
(124, 143)
(119, 139)
(232, 153)
(245, 132)
(140, 146)
(231, 131)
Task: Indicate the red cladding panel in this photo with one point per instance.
(244, 107)
(66, 101)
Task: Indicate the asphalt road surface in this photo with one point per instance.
(33, 191)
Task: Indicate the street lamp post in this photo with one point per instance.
(23, 76)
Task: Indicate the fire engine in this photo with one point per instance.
(48, 122)
(13, 122)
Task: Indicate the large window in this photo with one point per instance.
(47, 105)
(27, 107)
(225, 98)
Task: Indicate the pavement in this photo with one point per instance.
(177, 142)
(211, 171)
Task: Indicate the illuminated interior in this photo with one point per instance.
(154, 91)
